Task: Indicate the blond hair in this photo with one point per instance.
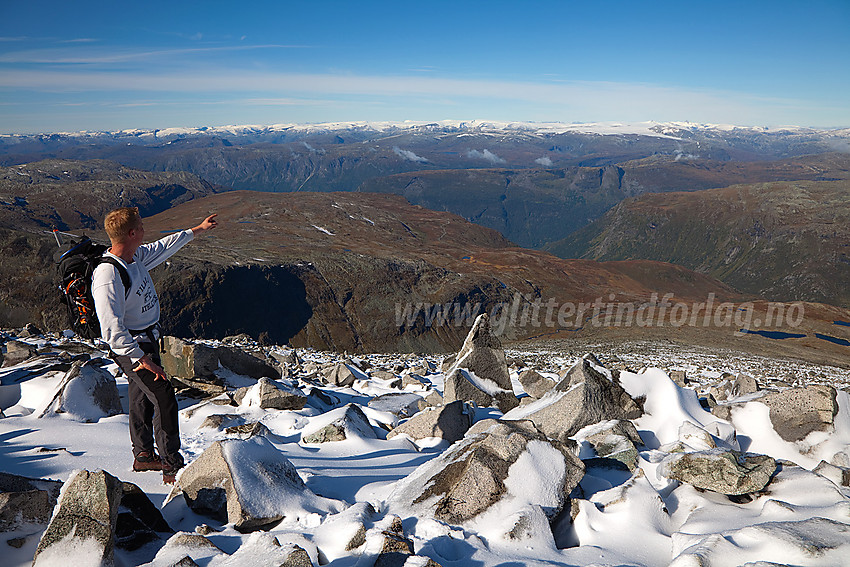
(120, 222)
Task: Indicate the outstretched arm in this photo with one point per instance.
(208, 224)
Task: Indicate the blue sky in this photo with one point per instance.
(68, 66)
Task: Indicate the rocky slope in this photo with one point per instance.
(348, 271)
(784, 240)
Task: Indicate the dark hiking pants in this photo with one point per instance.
(153, 411)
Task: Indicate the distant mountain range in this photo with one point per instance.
(534, 183)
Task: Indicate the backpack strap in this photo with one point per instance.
(122, 271)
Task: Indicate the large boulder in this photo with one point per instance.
(196, 361)
(26, 500)
(449, 422)
(726, 472)
(248, 483)
(86, 393)
(268, 395)
(184, 359)
(482, 355)
(340, 424)
(583, 397)
(465, 385)
(511, 463)
(797, 412)
(246, 364)
(82, 529)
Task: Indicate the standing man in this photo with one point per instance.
(129, 323)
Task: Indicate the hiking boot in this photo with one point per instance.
(169, 475)
(147, 461)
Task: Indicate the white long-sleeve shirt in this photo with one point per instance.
(140, 309)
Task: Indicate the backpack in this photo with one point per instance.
(76, 266)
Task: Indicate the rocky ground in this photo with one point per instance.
(640, 453)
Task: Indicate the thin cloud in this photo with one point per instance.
(486, 155)
(61, 56)
(408, 155)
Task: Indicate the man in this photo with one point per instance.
(129, 323)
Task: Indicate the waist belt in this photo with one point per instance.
(149, 335)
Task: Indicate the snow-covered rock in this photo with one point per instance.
(266, 394)
(87, 393)
(465, 385)
(583, 397)
(250, 484)
(482, 355)
(340, 424)
(449, 422)
(499, 467)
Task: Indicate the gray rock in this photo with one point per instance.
(679, 377)
(86, 511)
(18, 352)
(449, 422)
(270, 396)
(466, 386)
(26, 501)
(797, 412)
(352, 423)
(471, 476)
(248, 483)
(535, 384)
(482, 355)
(583, 397)
(342, 375)
(248, 430)
(433, 399)
(838, 475)
(743, 385)
(402, 404)
(414, 380)
(725, 472)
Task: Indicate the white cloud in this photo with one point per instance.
(485, 155)
(408, 155)
(544, 161)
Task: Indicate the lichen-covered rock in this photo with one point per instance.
(17, 352)
(725, 472)
(83, 526)
(615, 439)
(183, 359)
(510, 461)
